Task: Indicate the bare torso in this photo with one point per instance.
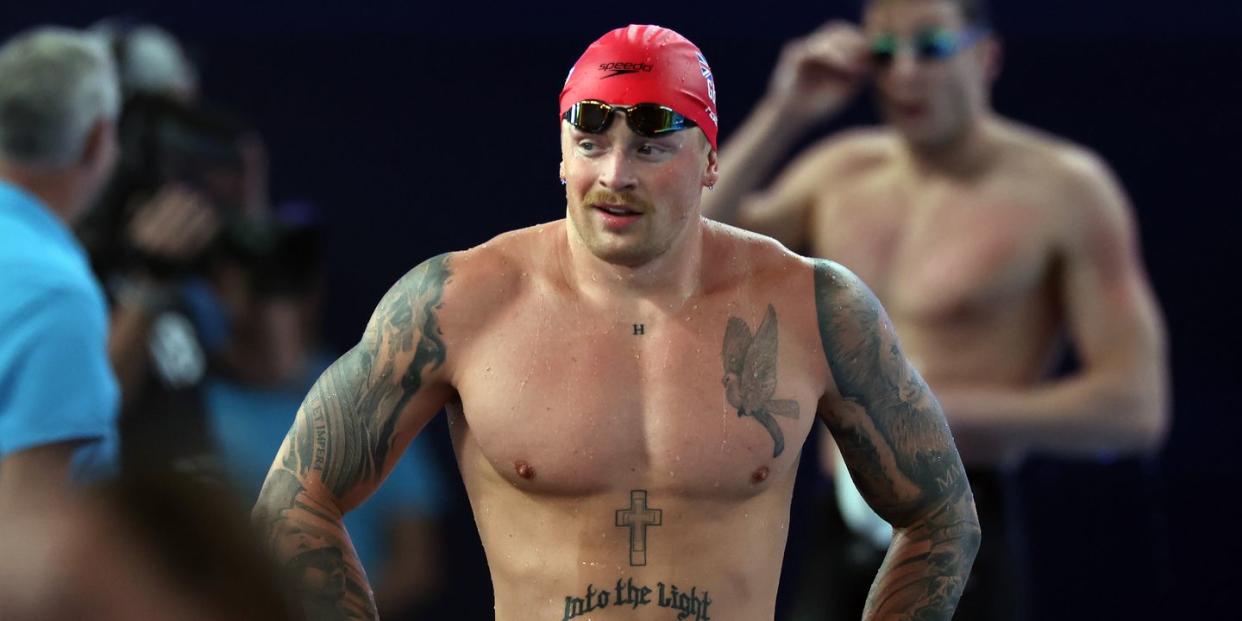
(576, 414)
(965, 265)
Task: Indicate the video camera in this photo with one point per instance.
(167, 141)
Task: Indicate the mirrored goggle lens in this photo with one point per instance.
(589, 116)
(653, 120)
(645, 119)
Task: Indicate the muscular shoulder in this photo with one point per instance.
(733, 255)
(445, 301)
(1071, 170)
(842, 299)
(481, 282)
(853, 328)
(1084, 195)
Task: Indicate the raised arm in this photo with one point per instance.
(350, 430)
(780, 211)
(815, 78)
(897, 446)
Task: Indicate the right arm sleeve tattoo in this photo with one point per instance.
(344, 440)
(896, 443)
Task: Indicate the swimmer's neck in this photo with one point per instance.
(668, 279)
(970, 154)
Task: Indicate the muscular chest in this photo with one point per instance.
(581, 403)
(937, 252)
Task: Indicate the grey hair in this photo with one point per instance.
(55, 84)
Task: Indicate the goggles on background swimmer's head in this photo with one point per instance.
(928, 45)
(646, 119)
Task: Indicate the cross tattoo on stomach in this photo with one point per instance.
(637, 518)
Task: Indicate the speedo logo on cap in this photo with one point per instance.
(618, 68)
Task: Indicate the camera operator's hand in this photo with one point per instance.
(818, 75)
(175, 225)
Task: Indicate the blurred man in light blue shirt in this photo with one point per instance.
(58, 396)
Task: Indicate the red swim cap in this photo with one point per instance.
(646, 64)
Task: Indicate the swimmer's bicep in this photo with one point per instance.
(403, 356)
(890, 429)
(366, 407)
(896, 444)
(348, 434)
(867, 456)
(1110, 305)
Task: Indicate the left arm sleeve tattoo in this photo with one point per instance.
(896, 443)
(346, 437)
